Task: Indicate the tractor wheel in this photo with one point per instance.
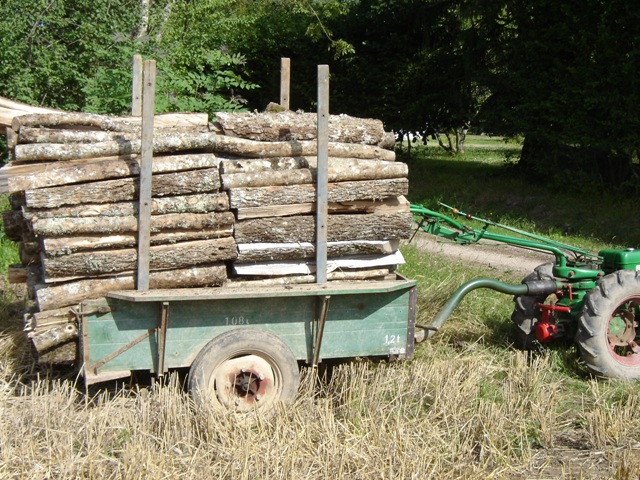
(608, 327)
(525, 315)
(244, 370)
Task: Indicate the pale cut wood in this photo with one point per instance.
(57, 296)
(69, 226)
(336, 173)
(67, 245)
(340, 228)
(306, 193)
(75, 171)
(288, 125)
(201, 203)
(11, 137)
(162, 257)
(262, 252)
(109, 191)
(366, 274)
(386, 205)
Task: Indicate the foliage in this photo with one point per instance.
(77, 55)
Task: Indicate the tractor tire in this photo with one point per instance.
(525, 316)
(608, 326)
(244, 370)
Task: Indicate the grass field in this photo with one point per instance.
(469, 405)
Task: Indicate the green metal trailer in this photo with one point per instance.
(244, 345)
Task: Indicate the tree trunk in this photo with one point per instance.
(375, 170)
(288, 125)
(180, 255)
(108, 191)
(58, 296)
(337, 193)
(76, 171)
(201, 203)
(67, 245)
(340, 228)
(263, 252)
(67, 226)
(103, 122)
(387, 205)
(365, 274)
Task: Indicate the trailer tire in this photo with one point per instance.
(525, 315)
(244, 370)
(608, 326)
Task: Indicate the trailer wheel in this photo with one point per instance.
(525, 315)
(608, 326)
(244, 369)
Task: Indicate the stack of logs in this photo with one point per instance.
(233, 202)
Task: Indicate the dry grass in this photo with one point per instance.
(457, 413)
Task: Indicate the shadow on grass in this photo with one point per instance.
(482, 184)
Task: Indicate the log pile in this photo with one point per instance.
(232, 202)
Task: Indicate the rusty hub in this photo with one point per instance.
(244, 383)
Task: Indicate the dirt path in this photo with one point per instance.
(495, 256)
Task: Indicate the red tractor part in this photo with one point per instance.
(546, 329)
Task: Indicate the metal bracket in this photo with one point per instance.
(322, 320)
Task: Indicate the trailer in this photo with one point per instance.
(243, 346)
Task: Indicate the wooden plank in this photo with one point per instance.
(136, 87)
(285, 82)
(322, 180)
(146, 162)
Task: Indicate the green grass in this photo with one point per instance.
(481, 182)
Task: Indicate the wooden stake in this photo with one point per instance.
(136, 90)
(322, 181)
(146, 160)
(285, 82)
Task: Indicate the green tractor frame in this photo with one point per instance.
(593, 300)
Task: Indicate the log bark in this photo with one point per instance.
(67, 245)
(39, 321)
(288, 125)
(374, 170)
(54, 135)
(86, 170)
(64, 354)
(251, 165)
(109, 191)
(340, 228)
(58, 296)
(262, 252)
(387, 205)
(202, 203)
(103, 122)
(54, 336)
(198, 141)
(67, 226)
(162, 257)
(367, 274)
(248, 148)
(337, 192)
